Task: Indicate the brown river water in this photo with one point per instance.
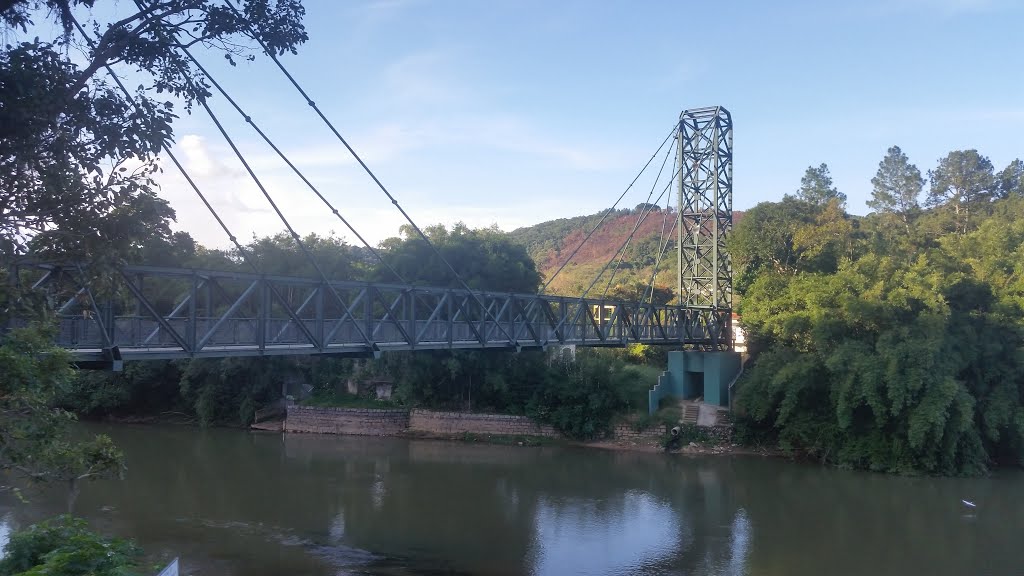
(231, 502)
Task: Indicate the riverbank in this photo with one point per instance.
(504, 429)
(479, 428)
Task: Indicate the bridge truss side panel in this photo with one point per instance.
(162, 313)
(705, 218)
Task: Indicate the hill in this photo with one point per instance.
(551, 243)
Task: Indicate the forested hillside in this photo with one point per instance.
(633, 261)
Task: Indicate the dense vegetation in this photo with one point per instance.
(893, 341)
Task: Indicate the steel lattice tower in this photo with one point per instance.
(704, 156)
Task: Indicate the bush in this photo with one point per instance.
(581, 398)
(64, 546)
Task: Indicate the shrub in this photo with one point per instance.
(64, 546)
(581, 398)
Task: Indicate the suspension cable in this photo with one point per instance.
(607, 264)
(291, 230)
(644, 212)
(368, 171)
(245, 255)
(667, 239)
(608, 211)
(290, 164)
(661, 256)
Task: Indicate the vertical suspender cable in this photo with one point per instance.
(609, 263)
(607, 212)
(644, 213)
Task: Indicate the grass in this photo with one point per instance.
(668, 415)
(647, 377)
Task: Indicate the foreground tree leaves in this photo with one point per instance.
(78, 156)
(64, 546)
(36, 440)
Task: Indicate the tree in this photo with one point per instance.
(963, 182)
(816, 187)
(764, 238)
(36, 441)
(77, 157)
(823, 243)
(280, 254)
(646, 207)
(485, 258)
(1011, 180)
(896, 187)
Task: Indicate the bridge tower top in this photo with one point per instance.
(704, 156)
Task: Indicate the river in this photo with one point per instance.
(230, 502)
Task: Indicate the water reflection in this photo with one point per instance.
(5, 532)
(741, 535)
(575, 538)
(230, 503)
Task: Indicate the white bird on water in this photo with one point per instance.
(971, 504)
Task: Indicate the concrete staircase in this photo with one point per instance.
(691, 411)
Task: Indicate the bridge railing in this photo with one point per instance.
(149, 312)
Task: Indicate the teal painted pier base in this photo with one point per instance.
(693, 374)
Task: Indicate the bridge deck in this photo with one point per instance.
(161, 313)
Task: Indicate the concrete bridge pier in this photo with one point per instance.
(694, 374)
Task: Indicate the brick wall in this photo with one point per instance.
(358, 421)
(463, 422)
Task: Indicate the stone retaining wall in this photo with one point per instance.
(377, 422)
(467, 422)
(358, 421)
(625, 432)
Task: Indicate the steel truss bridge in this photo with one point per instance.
(145, 312)
(166, 313)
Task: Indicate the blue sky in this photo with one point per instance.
(512, 113)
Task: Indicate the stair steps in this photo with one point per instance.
(690, 413)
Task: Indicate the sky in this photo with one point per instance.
(511, 113)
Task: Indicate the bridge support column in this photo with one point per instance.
(696, 374)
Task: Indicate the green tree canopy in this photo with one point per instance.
(765, 239)
(896, 187)
(963, 183)
(816, 187)
(486, 258)
(1011, 179)
(898, 353)
(36, 441)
